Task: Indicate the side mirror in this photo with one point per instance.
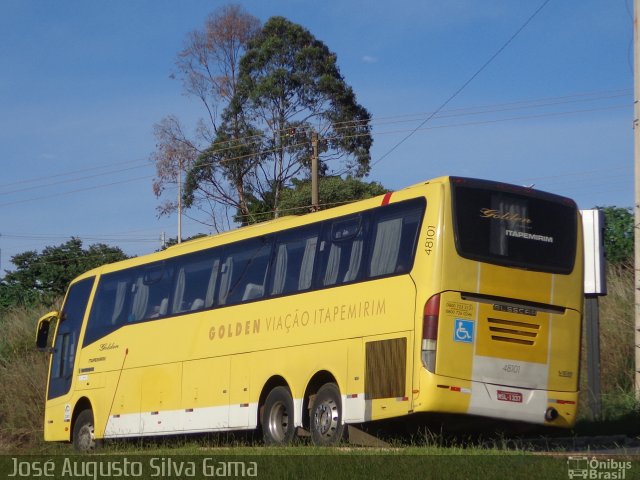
(42, 332)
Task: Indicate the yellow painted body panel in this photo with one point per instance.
(56, 425)
(225, 356)
(198, 393)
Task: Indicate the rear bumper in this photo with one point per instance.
(450, 395)
(520, 404)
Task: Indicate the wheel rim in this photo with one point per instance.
(86, 439)
(326, 418)
(278, 421)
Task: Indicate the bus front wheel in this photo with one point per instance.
(326, 416)
(83, 432)
(277, 417)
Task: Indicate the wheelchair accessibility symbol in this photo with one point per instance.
(463, 330)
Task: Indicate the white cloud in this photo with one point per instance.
(369, 59)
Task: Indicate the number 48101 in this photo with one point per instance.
(430, 240)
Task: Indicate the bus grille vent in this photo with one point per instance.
(522, 333)
(385, 374)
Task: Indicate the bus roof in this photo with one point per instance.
(271, 226)
(248, 231)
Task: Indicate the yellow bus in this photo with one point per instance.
(454, 295)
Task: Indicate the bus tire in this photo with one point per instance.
(83, 432)
(278, 427)
(326, 416)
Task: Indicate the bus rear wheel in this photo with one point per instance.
(326, 416)
(83, 432)
(277, 417)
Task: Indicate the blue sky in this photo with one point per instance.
(83, 82)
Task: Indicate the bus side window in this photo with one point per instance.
(110, 305)
(245, 277)
(140, 293)
(280, 269)
(225, 280)
(211, 285)
(195, 282)
(386, 246)
(109, 302)
(295, 254)
(343, 245)
(394, 238)
(150, 291)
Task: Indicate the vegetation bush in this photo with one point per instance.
(23, 378)
(617, 355)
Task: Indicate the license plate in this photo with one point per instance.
(509, 396)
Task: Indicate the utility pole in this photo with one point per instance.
(314, 172)
(636, 162)
(594, 388)
(180, 200)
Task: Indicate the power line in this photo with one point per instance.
(473, 110)
(455, 125)
(500, 108)
(464, 85)
(63, 261)
(71, 172)
(81, 237)
(384, 120)
(45, 197)
(390, 132)
(509, 119)
(60, 182)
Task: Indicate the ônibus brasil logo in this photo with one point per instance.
(597, 468)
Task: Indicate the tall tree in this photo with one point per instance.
(289, 85)
(208, 67)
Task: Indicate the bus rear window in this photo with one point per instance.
(511, 226)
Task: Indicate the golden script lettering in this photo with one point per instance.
(508, 216)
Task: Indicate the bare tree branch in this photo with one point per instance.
(208, 67)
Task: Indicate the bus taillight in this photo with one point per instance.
(430, 332)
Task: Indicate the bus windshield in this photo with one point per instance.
(514, 226)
